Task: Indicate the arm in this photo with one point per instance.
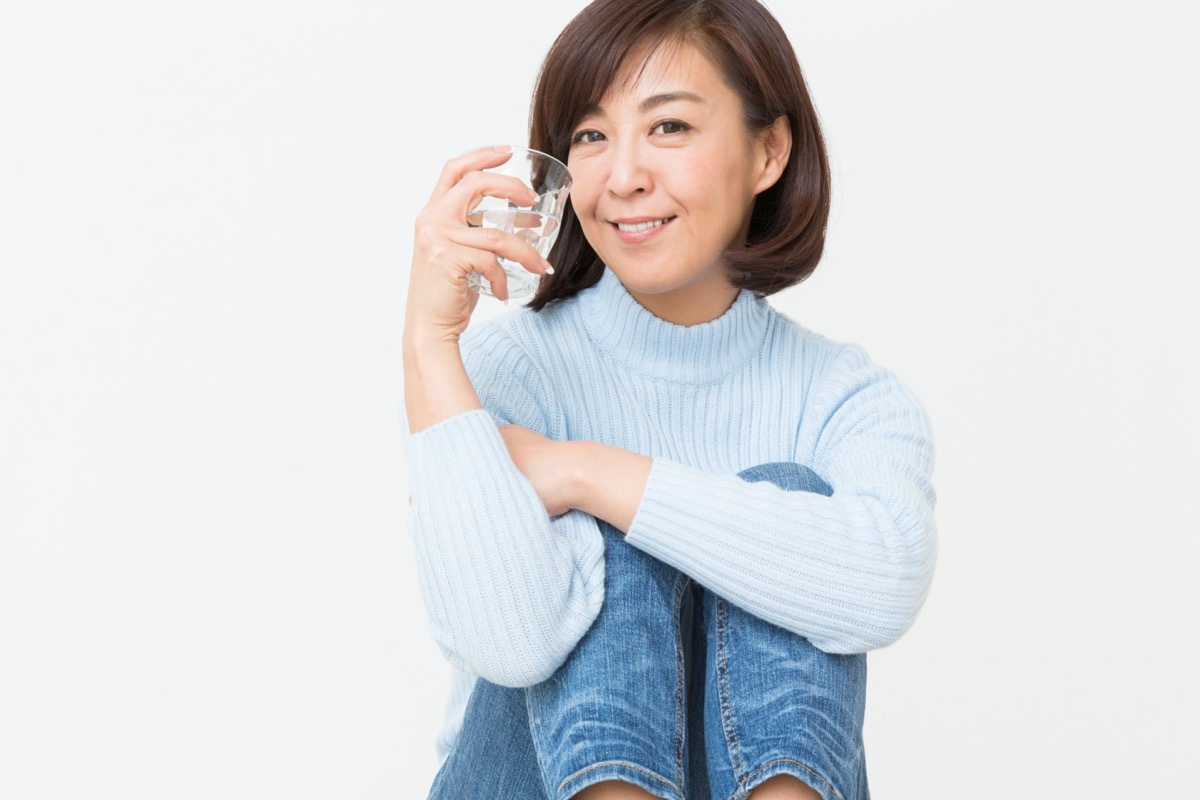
(507, 591)
(849, 572)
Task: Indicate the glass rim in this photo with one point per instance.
(543, 154)
(514, 148)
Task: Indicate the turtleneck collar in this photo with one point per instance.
(702, 353)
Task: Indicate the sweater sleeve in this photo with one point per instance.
(507, 590)
(849, 572)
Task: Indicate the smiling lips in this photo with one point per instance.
(639, 230)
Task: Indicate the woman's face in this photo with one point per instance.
(665, 175)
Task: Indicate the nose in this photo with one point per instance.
(628, 169)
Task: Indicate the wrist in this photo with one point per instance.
(608, 482)
(579, 480)
(420, 340)
(436, 384)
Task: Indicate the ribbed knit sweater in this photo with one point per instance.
(509, 590)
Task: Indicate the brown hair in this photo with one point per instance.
(753, 54)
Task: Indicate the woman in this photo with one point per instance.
(658, 524)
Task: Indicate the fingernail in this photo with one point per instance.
(549, 270)
(502, 148)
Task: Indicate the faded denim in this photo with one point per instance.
(675, 690)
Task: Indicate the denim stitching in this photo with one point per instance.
(741, 793)
(726, 700)
(681, 585)
(633, 767)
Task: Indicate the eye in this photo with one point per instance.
(587, 137)
(671, 126)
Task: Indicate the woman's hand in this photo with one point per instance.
(549, 465)
(604, 481)
(446, 249)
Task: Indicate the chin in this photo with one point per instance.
(646, 278)
(648, 285)
(657, 279)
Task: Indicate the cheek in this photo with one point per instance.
(585, 185)
(712, 178)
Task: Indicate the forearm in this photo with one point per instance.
(609, 482)
(508, 591)
(848, 572)
(436, 384)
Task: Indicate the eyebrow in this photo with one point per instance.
(669, 97)
(650, 103)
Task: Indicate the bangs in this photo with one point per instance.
(584, 66)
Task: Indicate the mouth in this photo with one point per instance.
(641, 227)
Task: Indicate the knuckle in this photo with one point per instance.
(434, 245)
(472, 180)
(426, 236)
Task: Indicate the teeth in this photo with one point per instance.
(638, 227)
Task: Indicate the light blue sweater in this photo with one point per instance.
(509, 591)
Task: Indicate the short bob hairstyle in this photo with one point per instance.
(752, 53)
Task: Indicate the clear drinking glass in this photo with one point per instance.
(537, 224)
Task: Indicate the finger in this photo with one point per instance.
(487, 265)
(454, 207)
(466, 195)
(497, 279)
(472, 259)
(473, 161)
(503, 244)
(438, 257)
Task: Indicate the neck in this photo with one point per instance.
(707, 349)
(673, 308)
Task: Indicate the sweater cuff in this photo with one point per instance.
(470, 438)
(656, 527)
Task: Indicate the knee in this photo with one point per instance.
(783, 787)
(614, 790)
(788, 475)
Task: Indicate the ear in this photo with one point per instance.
(775, 147)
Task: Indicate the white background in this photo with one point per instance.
(206, 585)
